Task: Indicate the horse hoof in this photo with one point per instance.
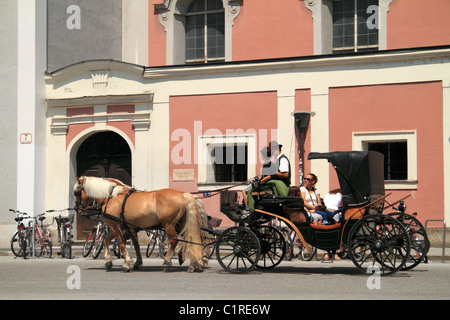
(108, 265)
(125, 269)
(137, 265)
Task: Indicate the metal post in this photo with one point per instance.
(33, 237)
(443, 237)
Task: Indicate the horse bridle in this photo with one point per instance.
(92, 206)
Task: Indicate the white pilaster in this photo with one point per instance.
(446, 116)
(158, 148)
(320, 135)
(286, 128)
(32, 63)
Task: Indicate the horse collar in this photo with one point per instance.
(122, 216)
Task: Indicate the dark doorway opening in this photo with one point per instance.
(105, 155)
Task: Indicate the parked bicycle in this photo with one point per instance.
(158, 238)
(19, 238)
(64, 232)
(30, 235)
(95, 238)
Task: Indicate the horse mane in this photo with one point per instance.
(101, 188)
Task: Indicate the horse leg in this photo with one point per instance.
(128, 261)
(107, 254)
(137, 249)
(173, 240)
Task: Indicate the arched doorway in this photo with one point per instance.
(104, 154)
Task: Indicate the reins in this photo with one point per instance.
(212, 193)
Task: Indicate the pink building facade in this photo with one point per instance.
(223, 78)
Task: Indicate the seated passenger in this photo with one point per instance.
(311, 198)
(294, 191)
(333, 203)
(295, 214)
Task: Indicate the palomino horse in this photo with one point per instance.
(127, 210)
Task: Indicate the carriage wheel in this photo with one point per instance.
(273, 246)
(418, 237)
(379, 242)
(238, 250)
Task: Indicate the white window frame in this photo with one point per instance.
(361, 140)
(172, 17)
(356, 46)
(322, 14)
(204, 14)
(207, 142)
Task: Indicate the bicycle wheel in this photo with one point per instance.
(39, 245)
(151, 244)
(116, 249)
(163, 244)
(289, 244)
(66, 250)
(305, 255)
(98, 246)
(210, 242)
(47, 247)
(89, 243)
(17, 245)
(26, 243)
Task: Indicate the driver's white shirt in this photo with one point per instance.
(284, 164)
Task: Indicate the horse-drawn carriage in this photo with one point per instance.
(368, 237)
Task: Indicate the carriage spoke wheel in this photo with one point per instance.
(273, 246)
(418, 237)
(238, 250)
(379, 243)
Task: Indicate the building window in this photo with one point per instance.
(355, 26)
(230, 163)
(400, 155)
(205, 31)
(223, 159)
(210, 29)
(395, 158)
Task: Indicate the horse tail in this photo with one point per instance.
(191, 232)
(203, 215)
(204, 234)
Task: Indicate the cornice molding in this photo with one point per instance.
(100, 100)
(95, 67)
(298, 63)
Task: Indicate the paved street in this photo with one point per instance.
(85, 278)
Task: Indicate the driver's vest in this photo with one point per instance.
(287, 181)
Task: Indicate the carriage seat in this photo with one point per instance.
(374, 204)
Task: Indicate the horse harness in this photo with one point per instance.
(124, 223)
(121, 218)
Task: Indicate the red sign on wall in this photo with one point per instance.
(26, 138)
